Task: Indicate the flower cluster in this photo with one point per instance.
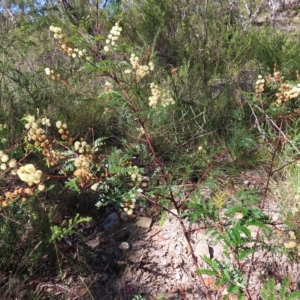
(67, 46)
(57, 32)
(140, 70)
(75, 52)
(37, 136)
(294, 92)
(113, 37)
(285, 93)
(108, 87)
(130, 200)
(54, 76)
(30, 121)
(259, 85)
(30, 174)
(292, 243)
(201, 149)
(158, 97)
(82, 146)
(129, 205)
(275, 78)
(35, 133)
(83, 168)
(19, 192)
(135, 174)
(26, 173)
(46, 122)
(52, 157)
(63, 131)
(6, 163)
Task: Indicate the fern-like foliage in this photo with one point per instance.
(225, 274)
(202, 209)
(269, 291)
(219, 199)
(68, 227)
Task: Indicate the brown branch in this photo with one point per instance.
(270, 173)
(10, 219)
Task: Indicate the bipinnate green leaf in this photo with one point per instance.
(212, 263)
(268, 291)
(206, 272)
(293, 296)
(219, 199)
(245, 230)
(283, 288)
(232, 288)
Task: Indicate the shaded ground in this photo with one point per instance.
(158, 263)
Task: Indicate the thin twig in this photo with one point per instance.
(270, 172)
(1, 214)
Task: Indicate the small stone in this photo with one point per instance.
(111, 223)
(124, 246)
(246, 182)
(178, 276)
(144, 222)
(202, 249)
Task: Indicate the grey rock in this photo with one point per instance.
(111, 223)
(144, 222)
(202, 249)
(124, 246)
